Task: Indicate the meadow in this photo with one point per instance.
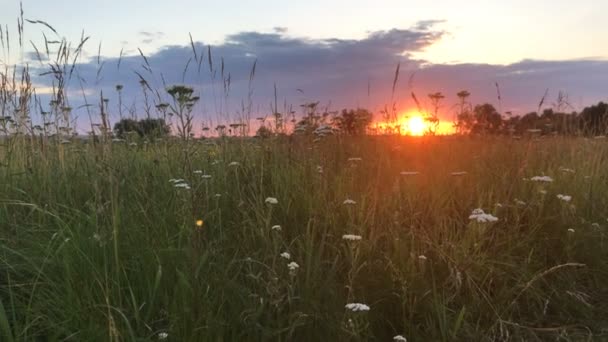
(371, 238)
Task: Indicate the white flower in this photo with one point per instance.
(564, 198)
(173, 180)
(356, 307)
(595, 225)
(97, 237)
(133, 144)
(459, 173)
(351, 237)
(163, 336)
(409, 173)
(355, 159)
(498, 205)
(399, 338)
(319, 169)
(349, 202)
(293, 267)
(286, 255)
(206, 176)
(570, 230)
(542, 192)
(182, 186)
(117, 140)
(198, 172)
(480, 216)
(563, 169)
(271, 200)
(519, 202)
(65, 142)
(545, 179)
(218, 195)
(599, 137)
(422, 257)
(276, 227)
(234, 164)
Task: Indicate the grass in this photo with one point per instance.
(97, 244)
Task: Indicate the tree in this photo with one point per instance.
(594, 119)
(487, 119)
(125, 126)
(143, 128)
(353, 121)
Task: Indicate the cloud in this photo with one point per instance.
(340, 72)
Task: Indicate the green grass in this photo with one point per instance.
(96, 244)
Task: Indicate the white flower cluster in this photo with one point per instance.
(480, 216)
(349, 202)
(564, 198)
(351, 237)
(542, 179)
(357, 307)
(271, 200)
(180, 183)
(410, 173)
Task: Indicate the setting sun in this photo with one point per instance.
(415, 125)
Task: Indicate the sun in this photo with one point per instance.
(415, 125)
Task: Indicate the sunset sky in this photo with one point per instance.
(332, 50)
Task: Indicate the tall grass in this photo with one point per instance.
(105, 247)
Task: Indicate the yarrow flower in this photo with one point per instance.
(566, 170)
(409, 173)
(542, 179)
(355, 159)
(564, 198)
(182, 185)
(422, 257)
(163, 336)
(271, 200)
(459, 173)
(276, 227)
(570, 230)
(480, 216)
(351, 237)
(285, 255)
(234, 164)
(206, 176)
(293, 268)
(357, 307)
(399, 338)
(319, 169)
(198, 172)
(349, 202)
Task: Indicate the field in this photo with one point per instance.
(240, 239)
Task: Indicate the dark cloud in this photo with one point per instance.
(343, 72)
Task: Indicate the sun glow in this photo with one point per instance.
(415, 125)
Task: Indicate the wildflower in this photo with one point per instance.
(399, 338)
(480, 216)
(232, 164)
(206, 176)
(570, 230)
(349, 202)
(285, 255)
(566, 170)
(277, 228)
(357, 307)
(520, 202)
(351, 237)
(599, 137)
(182, 186)
(409, 173)
(355, 159)
(218, 195)
(422, 257)
(198, 172)
(133, 144)
(65, 142)
(319, 169)
(293, 268)
(97, 237)
(595, 225)
(117, 140)
(542, 179)
(459, 173)
(564, 198)
(542, 192)
(498, 205)
(271, 200)
(179, 180)
(163, 336)
(199, 223)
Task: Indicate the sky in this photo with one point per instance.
(336, 51)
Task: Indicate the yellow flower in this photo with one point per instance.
(199, 223)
